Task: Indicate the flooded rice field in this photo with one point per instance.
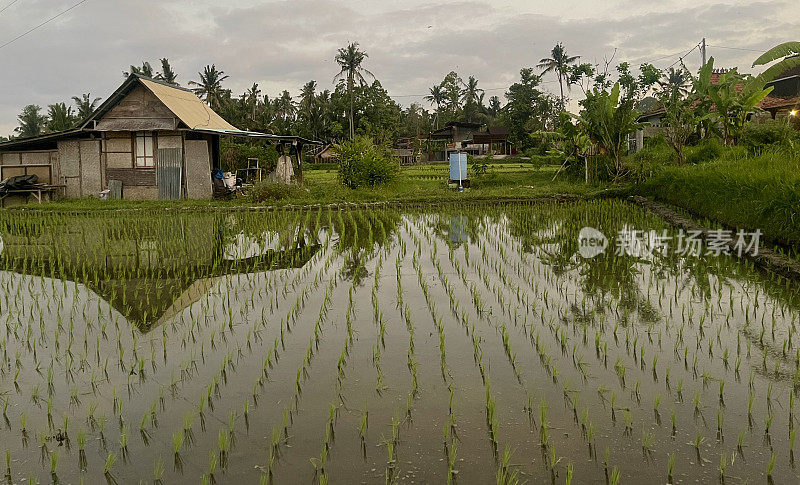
(467, 345)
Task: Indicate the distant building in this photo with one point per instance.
(465, 137)
(784, 99)
(149, 139)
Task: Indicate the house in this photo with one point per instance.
(783, 101)
(785, 96)
(149, 140)
(465, 137)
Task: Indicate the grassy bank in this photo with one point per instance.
(760, 192)
(421, 183)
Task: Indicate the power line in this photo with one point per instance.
(42, 24)
(7, 6)
(736, 48)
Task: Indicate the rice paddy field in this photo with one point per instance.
(466, 344)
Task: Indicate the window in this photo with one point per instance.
(145, 149)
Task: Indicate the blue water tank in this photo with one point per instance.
(458, 166)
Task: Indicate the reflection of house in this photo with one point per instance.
(465, 137)
(156, 140)
(148, 269)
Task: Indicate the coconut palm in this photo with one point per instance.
(494, 106)
(350, 59)
(146, 70)
(675, 82)
(167, 74)
(61, 117)
(252, 95)
(85, 105)
(558, 62)
(436, 98)
(209, 87)
(31, 121)
(472, 93)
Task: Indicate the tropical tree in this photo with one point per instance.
(252, 96)
(167, 74)
(436, 97)
(452, 87)
(494, 106)
(350, 60)
(146, 70)
(209, 87)
(31, 121)
(528, 109)
(735, 97)
(85, 105)
(473, 100)
(608, 119)
(60, 117)
(675, 82)
(558, 62)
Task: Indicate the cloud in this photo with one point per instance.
(281, 44)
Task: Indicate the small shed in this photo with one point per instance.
(154, 140)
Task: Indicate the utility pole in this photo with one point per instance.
(703, 50)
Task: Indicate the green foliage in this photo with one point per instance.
(364, 164)
(748, 193)
(607, 119)
(757, 137)
(234, 154)
(707, 150)
(270, 191)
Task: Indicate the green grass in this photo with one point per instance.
(747, 193)
(419, 183)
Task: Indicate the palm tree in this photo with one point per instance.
(675, 82)
(167, 74)
(350, 59)
(558, 62)
(61, 117)
(436, 97)
(308, 106)
(472, 93)
(252, 95)
(31, 121)
(494, 106)
(146, 70)
(209, 88)
(285, 107)
(85, 105)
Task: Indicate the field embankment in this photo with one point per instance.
(762, 192)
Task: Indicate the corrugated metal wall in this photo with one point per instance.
(168, 173)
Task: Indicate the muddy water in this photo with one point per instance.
(374, 346)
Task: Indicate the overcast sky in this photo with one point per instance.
(412, 44)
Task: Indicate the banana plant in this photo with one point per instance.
(788, 55)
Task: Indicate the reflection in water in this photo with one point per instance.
(149, 269)
(274, 329)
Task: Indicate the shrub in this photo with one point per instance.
(770, 134)
(655, 152)
(364, 164)
(270, 190)
(234, 154)
(705, 151)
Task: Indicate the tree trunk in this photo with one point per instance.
(350, 88)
